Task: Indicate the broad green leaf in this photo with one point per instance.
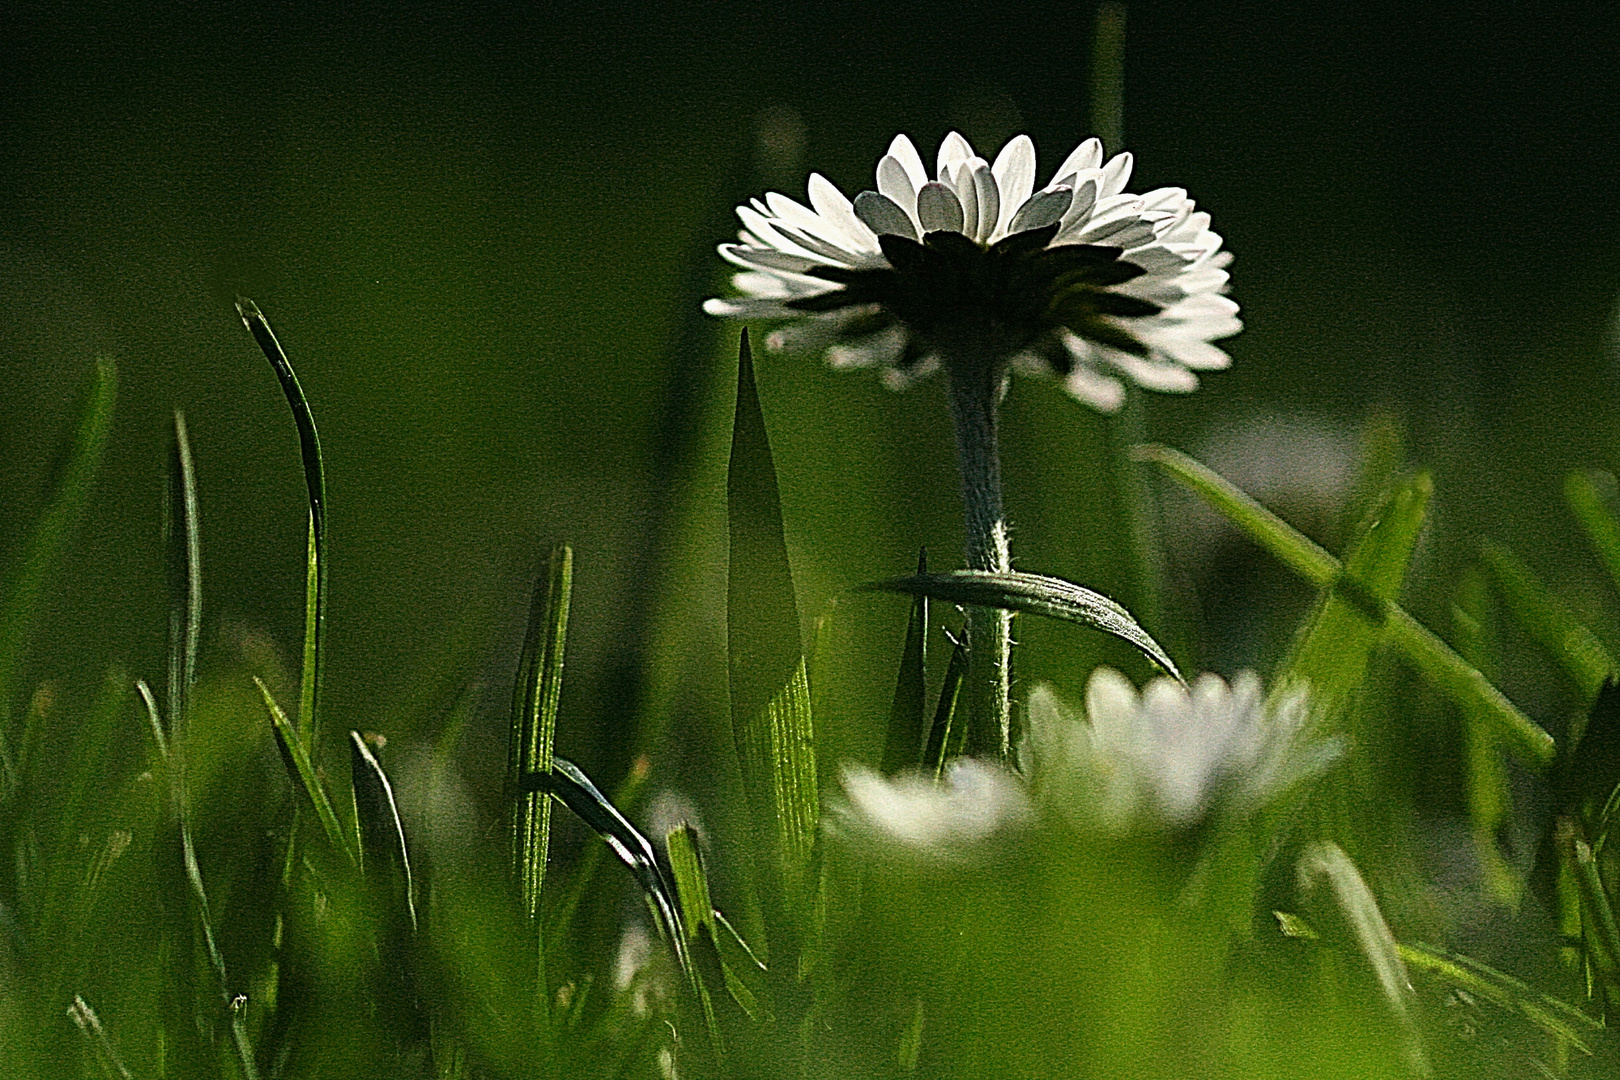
(309, 448)
(302, 773)
(1545, 618)
(1591, 493)
(907, 734)
(73, 476)
(1033, 594)
(1432, 657)
(181, 528)
(772, 726)
(534, 722)
(384, 854)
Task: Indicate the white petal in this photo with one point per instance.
(1160, 375)
(938, 208)
(988, 199)
(1088, 155)
(1195, 353)
(1041, 210)
(883, 216)
(758, 258)
(895, 184)
(801, 219)
(841, 224)
(1116, 174)
(954, 149)
(909, 160)
(1014, 171)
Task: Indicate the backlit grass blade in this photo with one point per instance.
(1348, 625)
(948, 734)
(1590, 494)
(635, 851)
(181, 530)
(772, 725)
(1489, 797)
(89, 1024)
(1554, 1017)
(716, 947)
(1432, 657)
(1545, 618)
(534, 722)
(1033, 594)
(383, 852)
(309, 448)
(302, 773)
(908, 715)
(73, 477)
(697, 921)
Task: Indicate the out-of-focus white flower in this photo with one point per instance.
(1168, 753)
(1080, 279)
(950, 819)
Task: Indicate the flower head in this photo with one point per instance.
(1080, 279)
(949, 820)
(1172, 751)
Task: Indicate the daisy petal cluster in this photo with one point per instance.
(1079, 279)
(950, 820)
(1169, 753)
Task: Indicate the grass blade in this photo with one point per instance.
(1559, 1019)
(1590, 494)
(1033, 594)
(73, 478)
(85, 1018)
(907, 736)
(534, 722)
(181, 530)
(697, 915)
(772, 725)
(309, 448)
(946, 737)
(1431, 656)
(1489, 797)
(383, 851)
(1545, 618)
(302, 773)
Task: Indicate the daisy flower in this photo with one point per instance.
(977, 269)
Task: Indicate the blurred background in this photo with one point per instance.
(482, 233)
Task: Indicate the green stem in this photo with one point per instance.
(975, 387)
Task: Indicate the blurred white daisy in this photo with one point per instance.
(950, 819)
(1080, 279)
(1169, 753)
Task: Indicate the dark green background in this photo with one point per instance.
(482, 232)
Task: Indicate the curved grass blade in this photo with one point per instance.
(309, 448)
(73, 474)
(716, 946)
(1559, 1019)
(1489, 796)
(181, 530)
(1033, 594)
(1431, 656)
(907, 737)
(697, 922)
(302, 773)
(534, 722)
(89, 1024)
(574, 789)
(1577, 650)
(383, 852)
(1590, 494)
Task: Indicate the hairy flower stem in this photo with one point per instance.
(975, 387)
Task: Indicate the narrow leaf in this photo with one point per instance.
(384, 853)
(309, 448)
(1489, 797)
(946, 736)
(1431, 656)
(89, 1024)
(1590, 493)
(697, 914)
(1033, 594)
(73, 476)
(1554, 1017)
(302, 773)
(570, 785)
(772, 725)
(907, 735)
(534, 721)
(182, 535)
(1545, 618)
